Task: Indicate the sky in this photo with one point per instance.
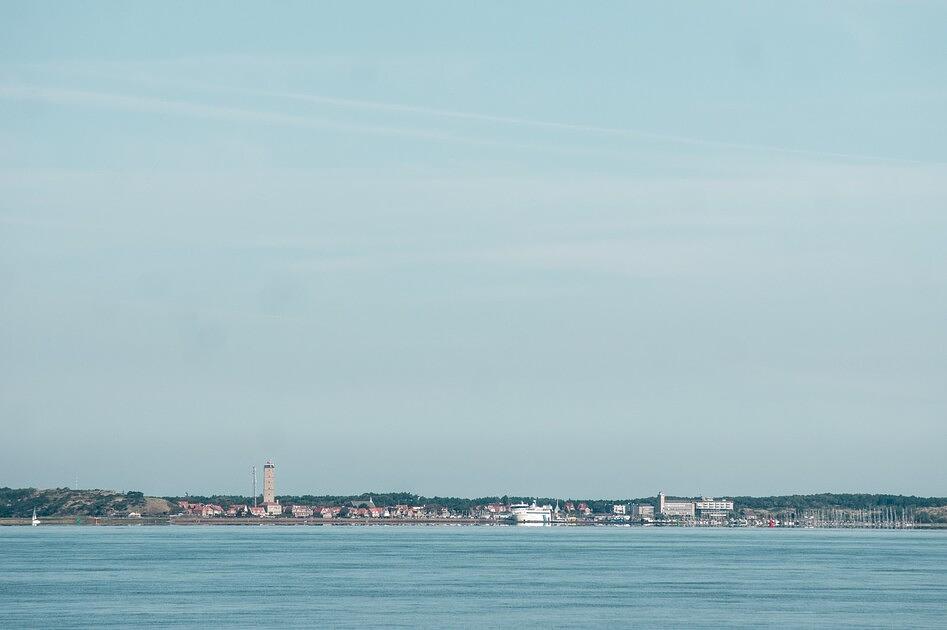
(474, 249)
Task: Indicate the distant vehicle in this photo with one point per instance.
(35, 521)
(525, 514)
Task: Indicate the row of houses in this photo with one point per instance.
(667, 508)
(359, 509)
(581, 508)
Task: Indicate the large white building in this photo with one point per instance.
(709, 507)
(675, 507)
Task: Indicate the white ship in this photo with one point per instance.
(525, 514)
(35, 520)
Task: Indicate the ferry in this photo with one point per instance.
(526, 514)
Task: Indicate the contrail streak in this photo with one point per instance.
(110, 100)
(596, 129)
(187, 108)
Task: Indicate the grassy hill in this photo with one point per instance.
(20, 502)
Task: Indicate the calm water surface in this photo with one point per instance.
(470, 576)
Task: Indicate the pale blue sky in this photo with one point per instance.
(531, 249)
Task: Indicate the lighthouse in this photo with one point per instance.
(269, 483)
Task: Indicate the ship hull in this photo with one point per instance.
(533, 516)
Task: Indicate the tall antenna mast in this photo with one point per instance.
(253, 475)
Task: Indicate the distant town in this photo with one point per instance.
(73, 506)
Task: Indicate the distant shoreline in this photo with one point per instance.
(165, 521)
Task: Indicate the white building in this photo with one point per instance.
(675, 507)
(301, 511)
(709, 507)
(619, 509)
(643, 512)
(273, 508)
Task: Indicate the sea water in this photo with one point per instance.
(442, 576)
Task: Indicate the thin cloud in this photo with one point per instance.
(595, 129)
(111, 100)
(126, 102)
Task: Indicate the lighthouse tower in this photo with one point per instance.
(269, 483)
